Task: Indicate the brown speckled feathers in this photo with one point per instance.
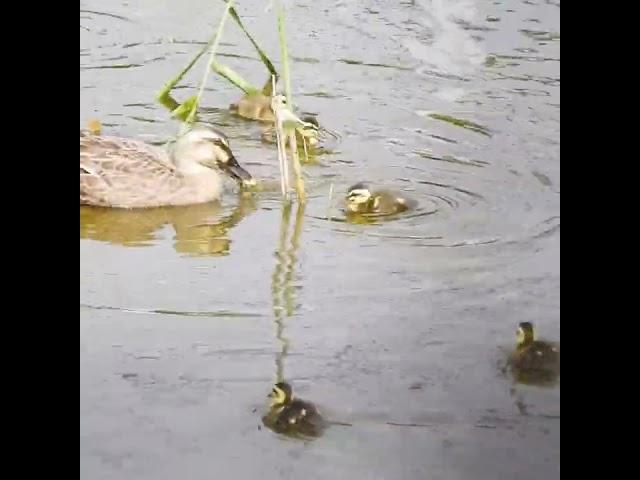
(122, 173)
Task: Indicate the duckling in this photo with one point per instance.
(292, 416)
(254, 106)
(121, 173)
(362, 200)
(260, 107)
(531, 355)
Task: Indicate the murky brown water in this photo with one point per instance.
(188, 315)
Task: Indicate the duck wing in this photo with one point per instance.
(123, 173)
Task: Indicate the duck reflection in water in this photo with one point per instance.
(200, 230)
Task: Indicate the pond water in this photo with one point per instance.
(397, 329)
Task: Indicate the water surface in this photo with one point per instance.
(188, 315)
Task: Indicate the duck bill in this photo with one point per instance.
(235, 171)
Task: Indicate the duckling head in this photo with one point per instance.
(525, 334)
(358, 197)
(203, 146)
(281, 394)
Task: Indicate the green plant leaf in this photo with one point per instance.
(184, 111)
(263, 56)
(233, 77)
(163, 93)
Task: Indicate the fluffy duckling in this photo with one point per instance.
(531, 355)
(254, 106)
(261, 107)
(292, 416)
(362, 200)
